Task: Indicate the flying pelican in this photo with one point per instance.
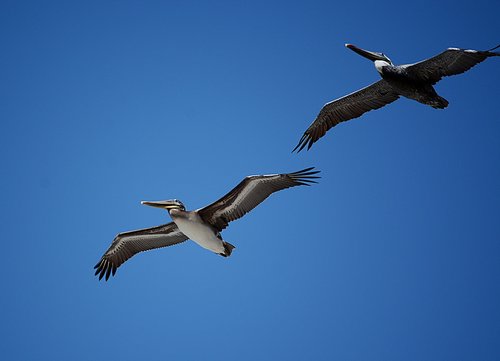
(414, 81)
(202, 225)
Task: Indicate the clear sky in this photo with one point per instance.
(394, 255)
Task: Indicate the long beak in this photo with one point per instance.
(365, 53)
(161, 204)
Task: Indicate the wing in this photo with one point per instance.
(348, 107)
(452, 61)
(251, 192)
(127, 244)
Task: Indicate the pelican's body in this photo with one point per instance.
(413, 81)
(191, 224)
(407, 84)
(203, 225)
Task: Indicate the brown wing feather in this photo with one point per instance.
(249, 193)
(348, 107)
(127, 244)
(452, 61)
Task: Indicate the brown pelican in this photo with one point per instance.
(414, 81)
(202, 225)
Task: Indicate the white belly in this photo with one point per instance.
(200, 233)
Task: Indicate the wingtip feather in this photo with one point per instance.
(108, 272)
(301, 144)
(496, 47)
(104, 269)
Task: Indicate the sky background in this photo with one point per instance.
(394, 255)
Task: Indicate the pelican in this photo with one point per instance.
(414, 81)
(203, 225)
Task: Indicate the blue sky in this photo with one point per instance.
(394, 255)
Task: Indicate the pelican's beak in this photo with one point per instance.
(169, 204)
(372, 55)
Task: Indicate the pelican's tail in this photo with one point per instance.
(438, 103)
(228, 248)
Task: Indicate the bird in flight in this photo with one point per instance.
(414, 81)
(203, 225)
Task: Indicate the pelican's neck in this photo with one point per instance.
(380, 64)
(178, 213)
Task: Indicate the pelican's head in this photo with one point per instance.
(372, 55)
(167, 205)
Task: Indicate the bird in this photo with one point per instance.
(203, 225)
(413, 81)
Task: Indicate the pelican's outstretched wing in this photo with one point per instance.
(348, 107)
(452, 61)
(127, 244)
(251, 192)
